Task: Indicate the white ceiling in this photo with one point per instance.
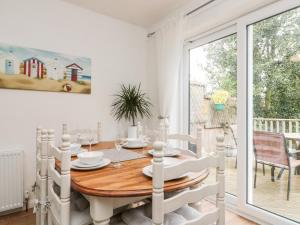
(140, 12)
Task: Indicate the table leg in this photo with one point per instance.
(101, 210)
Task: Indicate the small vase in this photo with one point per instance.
(132, 132)
(219, 107)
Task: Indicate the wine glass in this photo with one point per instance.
(118, 145)
(90, 138)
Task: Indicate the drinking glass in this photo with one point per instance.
(118, 145)
(90, 138)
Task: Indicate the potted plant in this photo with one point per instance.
(129, 104)
(219, 98)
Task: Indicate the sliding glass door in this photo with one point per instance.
(212, 97)
(244, 82)
(274, 114)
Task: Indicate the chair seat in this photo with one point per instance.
(180, 216)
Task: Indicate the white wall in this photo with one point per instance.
(118, 53)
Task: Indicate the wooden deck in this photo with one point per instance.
(269, 195)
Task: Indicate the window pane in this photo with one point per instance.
(213, 94)
(274, 71)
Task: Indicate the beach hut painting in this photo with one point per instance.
(34, 69)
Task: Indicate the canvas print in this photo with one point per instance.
(34, 69)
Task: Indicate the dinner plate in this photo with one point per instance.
(77, 163)
(86, 143)
(148, 172)
(103, 163)
(134, 146)
(167, 162)
(167, 152)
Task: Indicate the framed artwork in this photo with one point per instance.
(40, 70)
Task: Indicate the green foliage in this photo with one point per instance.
(130, 103)
(276, 92)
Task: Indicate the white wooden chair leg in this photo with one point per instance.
(221, 179)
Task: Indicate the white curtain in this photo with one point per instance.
(169, 48)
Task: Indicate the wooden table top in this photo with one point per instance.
(126, 181)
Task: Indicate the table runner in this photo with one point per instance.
(123, 155)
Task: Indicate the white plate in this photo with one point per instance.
(77, 163)
(135, 146)
(104, 163)
(168, 152)
(85, 143)
(148, 172)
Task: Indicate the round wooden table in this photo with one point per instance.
(111, 187)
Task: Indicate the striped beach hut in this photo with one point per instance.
(73, 71)
(34, 68)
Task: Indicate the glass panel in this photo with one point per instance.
(213, 91)
(274, 104)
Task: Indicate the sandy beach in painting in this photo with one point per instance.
(21, 81)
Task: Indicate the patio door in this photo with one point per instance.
(273, 50)
(244, 81)
(213, 95)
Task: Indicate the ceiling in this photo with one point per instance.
(140, 12)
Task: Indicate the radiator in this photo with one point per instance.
(11, 180)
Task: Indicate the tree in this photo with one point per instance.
(276, 80)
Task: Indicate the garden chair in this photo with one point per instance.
(271, 149)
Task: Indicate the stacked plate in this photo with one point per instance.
(168, 152)
(133, 143)
(148, 170)
(89, 161)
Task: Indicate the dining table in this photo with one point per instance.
(112, 187)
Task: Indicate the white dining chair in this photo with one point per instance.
(175, 210)
(61, 211)
(76, 133)
(183, 140)
(40, 187)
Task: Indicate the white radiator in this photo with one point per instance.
(11, 180)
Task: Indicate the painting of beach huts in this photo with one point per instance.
(34, 69)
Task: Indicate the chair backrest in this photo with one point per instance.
(77, 132)
(162, 206)
(270, 148)
(188, 139)
(59, 209)
(41, 175)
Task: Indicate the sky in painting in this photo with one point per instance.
(45, 56)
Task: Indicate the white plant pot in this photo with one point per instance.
(132, 132)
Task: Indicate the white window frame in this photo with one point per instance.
(244, 102)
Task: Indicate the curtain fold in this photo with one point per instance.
(169, 49)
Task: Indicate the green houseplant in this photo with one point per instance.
(129, 104)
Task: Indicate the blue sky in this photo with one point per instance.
(45, 56)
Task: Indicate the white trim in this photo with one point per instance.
(212, 34)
